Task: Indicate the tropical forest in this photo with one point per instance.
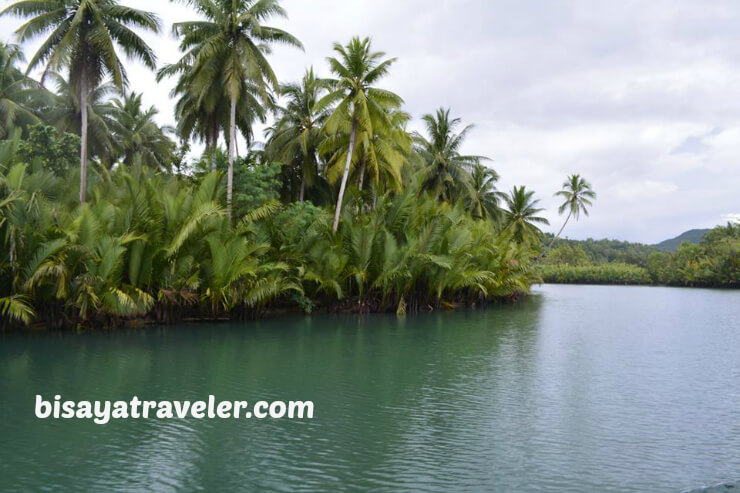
(107, 217)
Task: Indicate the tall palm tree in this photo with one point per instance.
(227, 49)
(203, 116)
(66, 115)
(448, 171)
(484, 201)
(577, 195)
(141, 141)
(361, 108)
(19, 95)
(84, 35)
(297, 133)
(520, 216)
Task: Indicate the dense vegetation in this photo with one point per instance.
(104, 217)
(714, 261)
(672, 244)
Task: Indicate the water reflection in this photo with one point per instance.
(597, 389)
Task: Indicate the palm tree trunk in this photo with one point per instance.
(338, 212)
(232, 150)
(211, 145)
(362, 174)
(302, 193)
(561, 230)
(83, 138)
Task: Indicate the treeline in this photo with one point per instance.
(567, 251)
(714, 262)
(162, 247)
(104, 218)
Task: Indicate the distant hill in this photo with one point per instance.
(691, 236)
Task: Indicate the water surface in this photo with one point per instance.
(579, 388)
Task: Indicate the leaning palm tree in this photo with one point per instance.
(577, 195)
(84, 35)
(520, 216)
(297, 133)
(227, 49)
(448, 171)
(141, 141)
(362, 108)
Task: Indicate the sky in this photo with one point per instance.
(641, 98)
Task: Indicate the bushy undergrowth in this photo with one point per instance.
(160, 247)
(611, 273)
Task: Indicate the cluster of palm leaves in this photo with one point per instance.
(121, 129)
(373, 216)
(174, 253)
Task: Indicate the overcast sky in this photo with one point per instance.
(640, 97)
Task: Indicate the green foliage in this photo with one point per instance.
(447, 172)
(520, 216)
(600, 251)
(612, 273)
(672, 244)
(52, 150)
(255, 184)
(713, 262)
(567, 254)
(151, 245)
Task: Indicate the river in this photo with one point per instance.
(577, 388)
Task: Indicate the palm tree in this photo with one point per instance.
(140, 140)
(448, 171)
(520, 216)
(19, 95)
(577, 195)
(297, 133)
(84, 35)
(204, 116)
(483, 203)
(227, 49)
(66, 115)
(361, 108)
(386, 153)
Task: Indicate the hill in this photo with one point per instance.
(691, 236)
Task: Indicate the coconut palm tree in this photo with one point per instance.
(520, 215)
(204, 116)
(448, 171)
(84, 35)
(577, 195)
(483, 203)
(227, 49)
(297, 133)
(66, 115)
(361, 108)
(19, 95)
(385, 154)
(140, 140)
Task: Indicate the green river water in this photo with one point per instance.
(577, 388)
